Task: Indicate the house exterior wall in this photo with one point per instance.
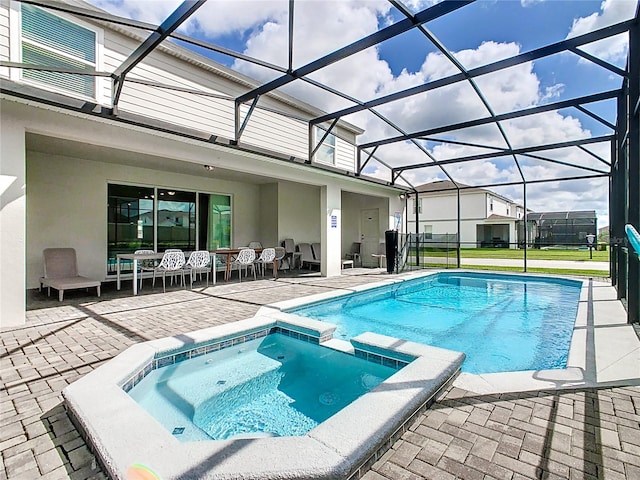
(214, 116)
(4, 35)
(62, 200)
(67, 206)
(269, 213)
(500, 206)
(299, 212)
(12, 220)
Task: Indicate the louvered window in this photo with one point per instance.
(49, 40)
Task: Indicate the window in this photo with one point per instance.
(508, 211)
(428, 232)
(491, 204)
(158, 218)
(326, 153)
(417, 205)
(53, 41)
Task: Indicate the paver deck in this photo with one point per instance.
(574, 434)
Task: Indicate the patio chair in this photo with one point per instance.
(199, 262)
(354, 254)
(254, 245)
(245, 258)
(145, 265)
(266, 256)
(172, 263)
(289, 249)
(307, 255)
(173, 250)
(281, 253)
(61, 272)
(381, 255)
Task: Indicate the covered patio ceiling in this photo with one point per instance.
(408, 150)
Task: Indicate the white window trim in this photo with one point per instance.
(15, 53)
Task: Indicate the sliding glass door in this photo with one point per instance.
(176, 220)
(215, 221)
(130, 221)
(161, 218)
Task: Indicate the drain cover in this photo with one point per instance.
(178, 430)
(221, 382)
(328, 398)
(281, 357)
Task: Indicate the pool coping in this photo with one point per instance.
(123, 434)
(604, 349)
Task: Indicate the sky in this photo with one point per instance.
(477, 34)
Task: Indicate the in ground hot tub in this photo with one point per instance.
(271, 386)
(345, 404)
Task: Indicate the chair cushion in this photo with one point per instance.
(69, 282)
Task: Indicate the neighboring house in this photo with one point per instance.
(603, 234)
(102, 170)
(563, 228)
(487, 219)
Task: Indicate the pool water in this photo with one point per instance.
(502, 322)
(272, 386)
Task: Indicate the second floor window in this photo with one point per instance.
(52, 41)
(327, 151)
(417, 206)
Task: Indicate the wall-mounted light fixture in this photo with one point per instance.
(402, 196)
(209, 167)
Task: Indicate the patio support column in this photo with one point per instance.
(619, 197)
(633, 305)
(331, 230)
(12, 223)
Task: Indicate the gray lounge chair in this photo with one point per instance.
(61, 272)
(307, 255)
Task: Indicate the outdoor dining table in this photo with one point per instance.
(136, 257)
(230, 252)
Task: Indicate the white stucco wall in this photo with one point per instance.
(299, 212)
(268, 232)
(12, 221)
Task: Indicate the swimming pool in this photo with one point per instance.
(273, 386)
(502, 322)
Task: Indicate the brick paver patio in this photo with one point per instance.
(578, 434)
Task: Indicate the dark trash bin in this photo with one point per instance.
(391, 248)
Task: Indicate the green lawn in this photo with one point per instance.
(532, 254)
(554, 271)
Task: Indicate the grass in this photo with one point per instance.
(532, 254)
(553, 271)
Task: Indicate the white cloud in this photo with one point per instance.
(527, 3)
(613, 49)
